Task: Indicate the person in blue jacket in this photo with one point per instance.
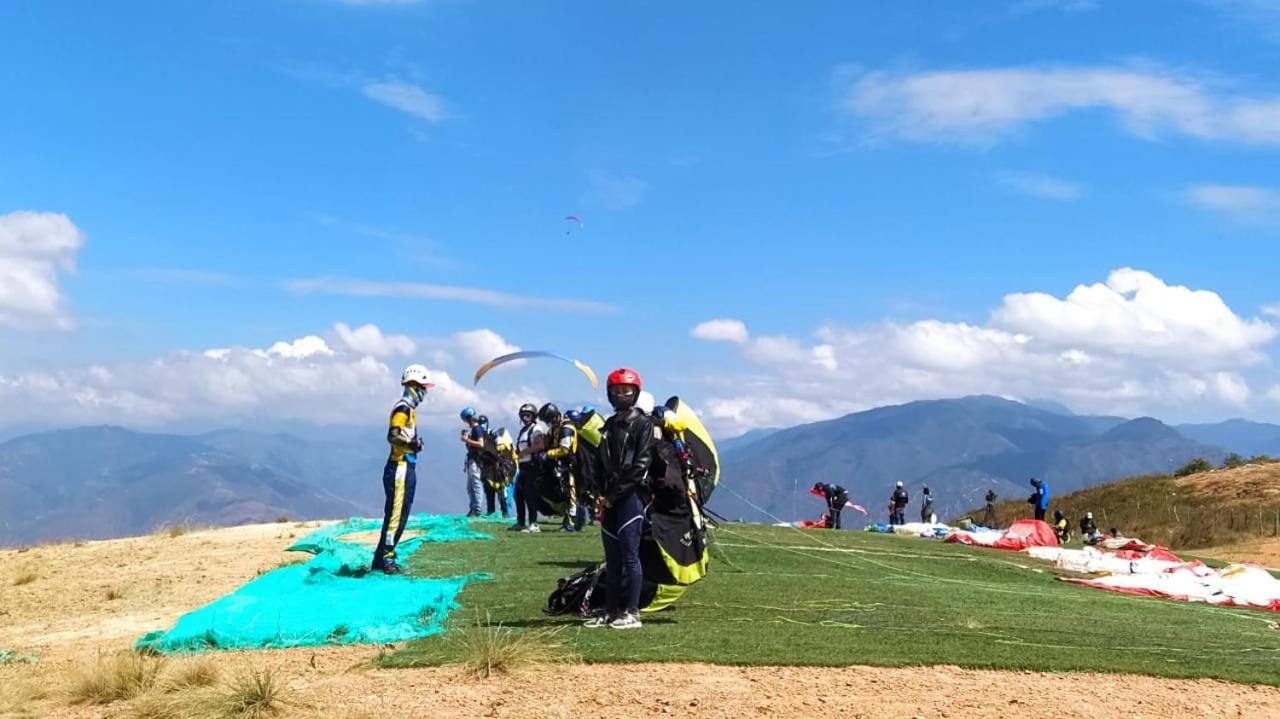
(1039, 499)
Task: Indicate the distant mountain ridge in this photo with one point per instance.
(97, 482)
(959, 447)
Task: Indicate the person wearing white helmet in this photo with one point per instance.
(399, 477)
(899, 502)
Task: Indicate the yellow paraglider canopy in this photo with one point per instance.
(531, 354)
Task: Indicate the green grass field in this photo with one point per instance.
(777, 595)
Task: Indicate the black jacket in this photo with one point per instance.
(625, 454)
(900, 497)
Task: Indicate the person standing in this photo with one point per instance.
(473, 438)
(989, 515)
(926, 509)
(626, 454)
(527, 477)
(399, 476)
(561, 442)
(1039, 499)
(900, 499)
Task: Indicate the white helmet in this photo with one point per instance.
(417, 374)
(1088, 515)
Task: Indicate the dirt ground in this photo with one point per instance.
(1255, 551)
(65, 617)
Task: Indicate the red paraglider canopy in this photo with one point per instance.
(1024, 533)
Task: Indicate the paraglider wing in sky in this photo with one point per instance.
(531, 354)
(575, 220)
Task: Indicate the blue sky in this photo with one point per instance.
(827, 174)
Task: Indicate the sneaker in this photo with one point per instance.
(567, 528)
(517, 528)
(600, 620)
(390, 567)
(627, 620)
(533, 529)
(473, 513)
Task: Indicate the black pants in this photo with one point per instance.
(833, 511)
(399, 480)
(1040, 514)
(495, 496)
(899, 515)
(527, 494)
(620, 529)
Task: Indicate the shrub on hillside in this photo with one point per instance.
(1195, 466)
(1233, 460)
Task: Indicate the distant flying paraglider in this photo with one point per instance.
(575, 220)
(530, 354)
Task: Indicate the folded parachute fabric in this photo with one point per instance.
(1023, 534)
(1238, 585)
(1092, 561)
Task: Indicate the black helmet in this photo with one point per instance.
(528, 409)
(483, 421)
(549, 414)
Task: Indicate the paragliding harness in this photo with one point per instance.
(498, 459)
(584, 593)
(557, 491)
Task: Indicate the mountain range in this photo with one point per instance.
(960, 448)
(95, 482)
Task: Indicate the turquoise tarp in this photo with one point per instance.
(331, 599)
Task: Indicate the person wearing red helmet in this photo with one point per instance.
(626, 454)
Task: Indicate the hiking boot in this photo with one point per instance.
(517, 528)
(473, 513)
(533, 529)
(626, 620)
(390, 567)
(600, 620)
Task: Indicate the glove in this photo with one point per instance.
(416, 444)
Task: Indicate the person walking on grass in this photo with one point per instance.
(926, 509)
(626, 453)
(399, 476)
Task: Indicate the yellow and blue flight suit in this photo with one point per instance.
(399, 480)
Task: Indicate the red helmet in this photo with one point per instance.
(622, 375)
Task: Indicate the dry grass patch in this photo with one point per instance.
(491, 649)
(197, 673)
(25, 576)
(199, 691)
(115, 677)
(17, 696)
(114, 593)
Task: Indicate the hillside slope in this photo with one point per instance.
(1212, 509)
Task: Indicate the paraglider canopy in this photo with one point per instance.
(575, 220)
(531, 354)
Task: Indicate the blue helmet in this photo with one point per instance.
(574, 416)
(483, 421)
(467, 413)
(588, 409)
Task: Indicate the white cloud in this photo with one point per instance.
(426, 291)
(614, 192)
(482, 345)
(408, 98)
(35, 248)
(1272, 310)
(370, 340)
(721, 330)
(301, 380)
(1239, 201)
(1043, 186)
(1133, 345)
(1273, 394)
(1138, 314)
(983, 105)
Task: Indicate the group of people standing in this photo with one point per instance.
(899, 500)
(576, 461)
